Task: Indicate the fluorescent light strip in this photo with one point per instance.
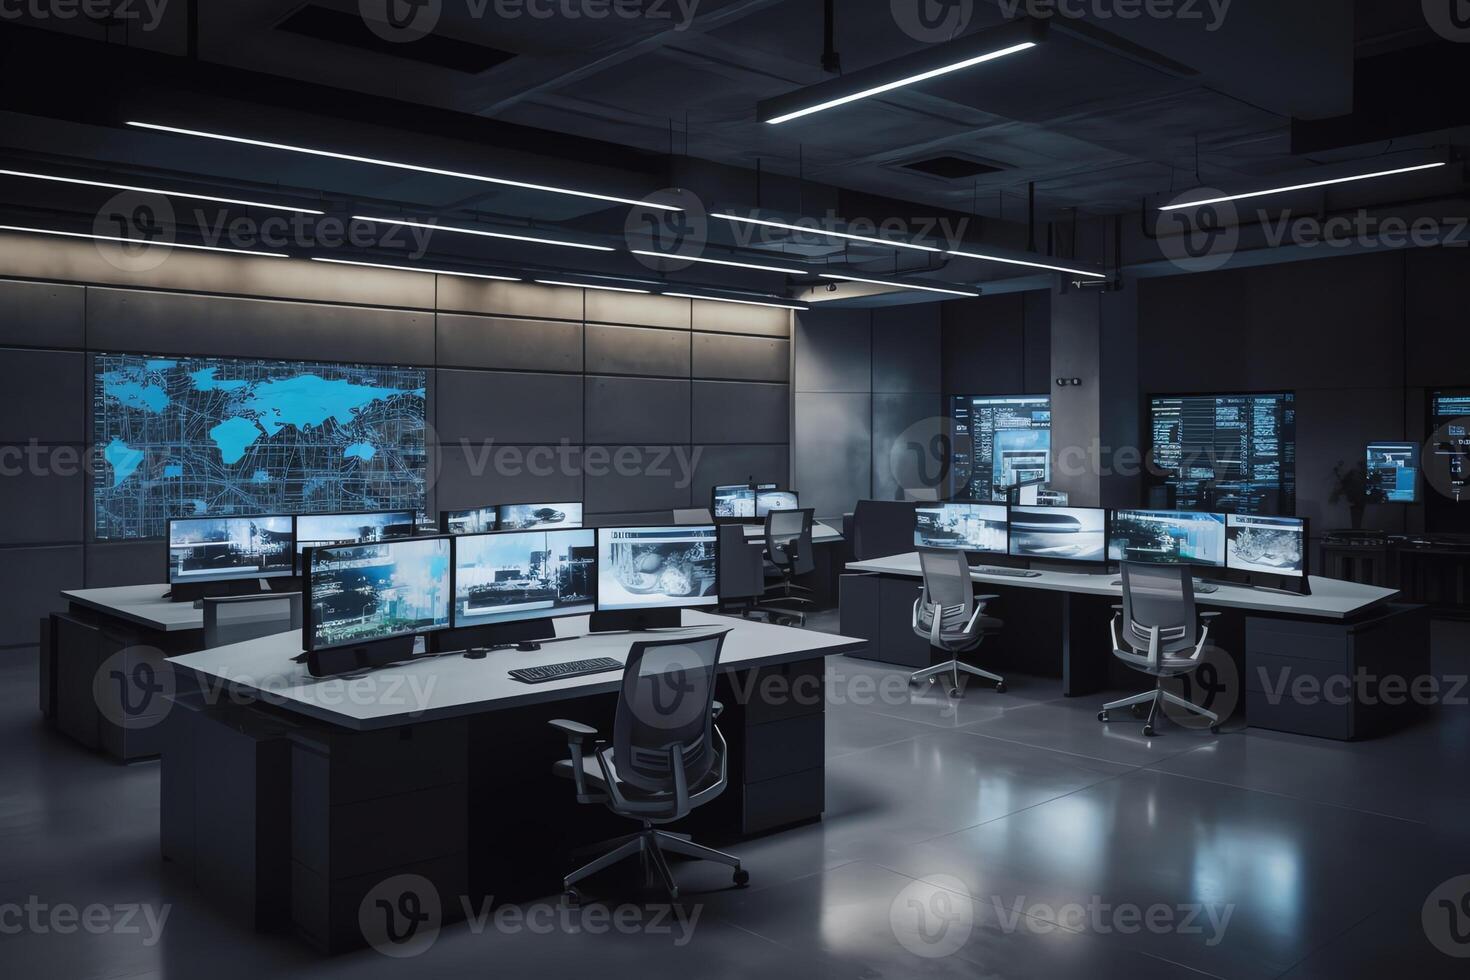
(1300, 187)
(129, 241)
(824, 233)
(404, 166)
(415, 268)
(482, 234)
(154, 190)
(742, 302)
(583, 285)
(911, 80)
(737, 265)
(1028, 264)
(900, 285)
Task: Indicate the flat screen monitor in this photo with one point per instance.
(1230, 454)
(769, 500)
(1059, 533)
(518, 575)
(525, 517)
(997, 442)
(733, 502)
(965, 527)
(1167, 537)
(219, 549)
(656, 567)
(1266, 545)
(1447, 461)
(1392, 470)
(477, 520)
(364, 592)
(317, 530)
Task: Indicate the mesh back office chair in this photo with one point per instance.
(666, 757)
(1159, 625)
(695, 515)
(789, 548)
(235, 619)
(951, 617)
(742, 576)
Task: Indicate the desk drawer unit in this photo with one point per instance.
(775, 726)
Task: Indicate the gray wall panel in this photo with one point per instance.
(832, 457)
(893, 415)
(906, 348)
(513, 299)
(1439, 344)
(31, 579)
(42, 314)
(46, 396)
(508, 407)
(42, 494)
(631, 478)
(720, 465)
(834, 351)
(646, 518)
(737, 411)
(507, 475)
(509, 344)
(741, 358)
(637, 350)
(642, 311)
(629, 410)
(128, 563)
(734, 318)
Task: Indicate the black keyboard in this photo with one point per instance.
(572, 668)
(1008, 572)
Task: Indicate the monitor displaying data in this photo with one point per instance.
(967, 527)
(1448, 462)
(733, 502)
(1232, 454)
(216, 549)
(1267, 545)
(516, 575)
(364, 592)
(1167, 537)
(651, 567)
(769, 500)
(1392, 472)
(317, 530)
(997, 442)
(1059, 533)
(479, 520)
(523, 517)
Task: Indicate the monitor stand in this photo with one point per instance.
(195, 591)
(360, 656)
(527, 634)
(636, 620)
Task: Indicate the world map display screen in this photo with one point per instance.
(212, 436)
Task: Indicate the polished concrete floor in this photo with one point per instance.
(998, 836)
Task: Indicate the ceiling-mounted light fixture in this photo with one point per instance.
(377, 162)
(137, 242)
(1302, 187)
(155, 190)
(931, 62)
(824, 233)
(899, 285)
(1028, 263)
(584, 285)
(727, 262)
(416, 268)
(742, 302)
(481, 233)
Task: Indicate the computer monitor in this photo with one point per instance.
(1059, 533)
(1393, 472)
(769, 500)
(997, 442)
(1168, 537)
(363, 593)
(518, 575)
(1266, 545)
(1225, 453)
(317, 530)
(524, 517)
(476, 520)
(221, 549)
(964, 527)
(734, 502)
(656, 567)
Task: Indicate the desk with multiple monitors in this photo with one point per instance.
(510, 517)
(750, 502)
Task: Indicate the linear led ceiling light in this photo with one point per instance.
(742, 302)
(482, 234)
(825, 232)
(132, 241)
(1301, 187)
(584, 285)
(416, 268)
(932, 62)
(737, 265)
(1028, 264)
(155, 190)
(900, 285)
(377, 162)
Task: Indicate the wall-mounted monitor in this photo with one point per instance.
(656, 567)
(1167, 537)
(366, 592)
(996, 442)
(1231, 454)
(1266, 545)
(1059, 533)
(476, 520)
(219, 549)
(1392, 470)
(317, 530)
(176, 436)
(769, 500)
(1447, 462)
(525, 517)
(519, 575)
(966, 527)
(733, 502)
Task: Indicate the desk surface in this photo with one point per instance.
(144, 605)
(1330, 598)
(821, 533)
(451, 686)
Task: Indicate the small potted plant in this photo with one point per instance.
(1350, 486)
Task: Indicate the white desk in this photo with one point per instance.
(141, 605)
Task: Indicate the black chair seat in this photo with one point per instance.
(592, 774)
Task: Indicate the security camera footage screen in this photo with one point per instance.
(998, 441)
(481, 520)
(1059, 533)
(650, 567)
(1167, 537)
(520, 517)
(734, 501)
(1393, 472)
(769, 500)
(515, 575)
(215, 549)
(1269, 545)
(317, 530)
(967, 527)
(1230, 454)
(370, 592)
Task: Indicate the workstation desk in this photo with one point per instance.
(1057, 623)
(828, 552)
(286, 792)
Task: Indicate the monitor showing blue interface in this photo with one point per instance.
(217, 549)
(1230, 454)
(1268, 545)
(516, 575)
(1167, 537)
(524, 517)
(1393, 472)
(967, 527)
(733, 502)
(364, 592)
(1059, 533)
(316, 530)
(656, 567)
(997, 442)
(479, 520)
(769, 500)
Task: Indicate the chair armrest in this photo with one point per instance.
(575, 731)
(716, 709)
(1209, 615)
(985, 598)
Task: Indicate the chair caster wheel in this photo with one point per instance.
(1214, 729)
(674, 894)
(1102, 716)
(1148, 731)
(955, 692)
(572, 898)
(742, 877)
(1000, 687)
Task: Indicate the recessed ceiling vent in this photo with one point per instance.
(434, 48)
(952, 167)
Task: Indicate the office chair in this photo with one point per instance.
(666, 758)
(1159, 624)
(951, 617)
(693, 515)
(742, 580)
(789, 548)
(235, 619)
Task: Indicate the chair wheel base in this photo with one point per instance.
(1137, 710)
(742, 877)
(1148, 731)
